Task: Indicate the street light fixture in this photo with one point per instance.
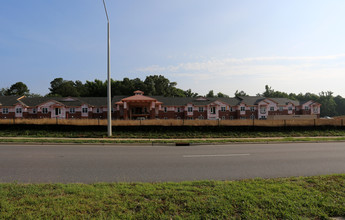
(109, 79)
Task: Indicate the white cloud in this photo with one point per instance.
(216, 65)
(310, 73)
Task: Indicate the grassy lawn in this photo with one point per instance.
(169, 141)
(317, 197)
(153, 132)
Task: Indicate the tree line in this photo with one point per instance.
(158, 85)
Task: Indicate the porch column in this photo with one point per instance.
(153, 110)
(125, 111)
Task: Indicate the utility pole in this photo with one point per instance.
(109, 79)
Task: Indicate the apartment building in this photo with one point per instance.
(140, 106)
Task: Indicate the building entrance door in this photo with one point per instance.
(57, 112)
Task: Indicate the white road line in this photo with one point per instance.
(216, 155)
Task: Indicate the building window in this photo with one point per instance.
(98, 110)
(252, 117)
(84, 110)
(5, 111)
(222, 109)
(271, 108)
(190, 109)
(231, 117)
(190, 118)
(223, 118)
(231, 109)
(243, 108)
(178, 109)
(306, 108)
(165, 118)
(72, 110)
(263, 117)
(213, 110)
(44, 110)
(34, 111)
(243, 117)
(201, 117)
(178, 118)
(315, 109)
(290, 108)
(201, 109)
(57, 111)
(263, 110)
(281, 109)
(252, 109)
(165, 109)
(18, 110)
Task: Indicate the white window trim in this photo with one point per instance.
(44, 110)
(5, 111)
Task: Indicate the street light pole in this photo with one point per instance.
(109, 79)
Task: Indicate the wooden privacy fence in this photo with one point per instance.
(176, 122)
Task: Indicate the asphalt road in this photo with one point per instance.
(101, 163)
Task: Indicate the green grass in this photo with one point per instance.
(153, 132)
(318, 197)
(169, 141)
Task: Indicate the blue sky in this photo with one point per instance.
(221, 45)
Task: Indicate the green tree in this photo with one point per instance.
(3, 91)
(340, 102)
(189, 93)
(328, 105)
(161, 86)
(241, 93)
(97, 88)
(64, 88)
(270, 93)
(221, 95)
(19, 88)
(210, 94)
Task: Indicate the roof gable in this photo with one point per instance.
(138, 98)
